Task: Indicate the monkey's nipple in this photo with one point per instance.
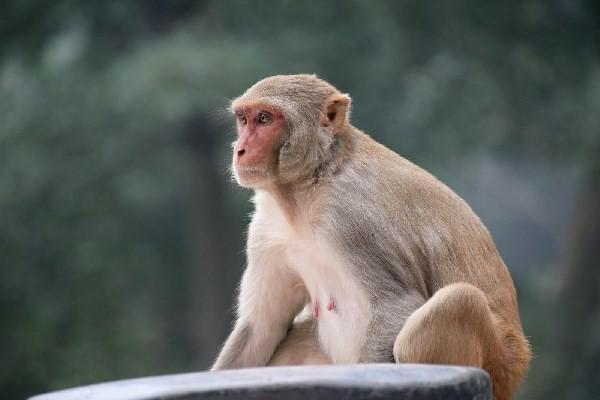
(331, 304)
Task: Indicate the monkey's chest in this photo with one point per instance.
(338, 302)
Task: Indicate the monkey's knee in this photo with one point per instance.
(456, 326)
(453, 327)
(300, 346)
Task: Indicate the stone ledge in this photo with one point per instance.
(359, 381)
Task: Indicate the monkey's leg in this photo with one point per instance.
(456, 326)
(300, 346)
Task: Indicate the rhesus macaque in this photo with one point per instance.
(357, 255)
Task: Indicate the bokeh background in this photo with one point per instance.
(121, 233)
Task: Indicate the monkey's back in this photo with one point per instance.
(410, 228)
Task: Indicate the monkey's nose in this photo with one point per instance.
(241, 152)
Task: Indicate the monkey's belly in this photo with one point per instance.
(338, 303)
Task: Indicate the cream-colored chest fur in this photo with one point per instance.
(338, 302)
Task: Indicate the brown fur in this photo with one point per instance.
(438, 290)
(300, 346)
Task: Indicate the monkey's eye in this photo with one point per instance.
(264, 118)
(242, 118)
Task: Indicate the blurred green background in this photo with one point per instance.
(121, 234)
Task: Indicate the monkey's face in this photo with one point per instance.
(260, 130)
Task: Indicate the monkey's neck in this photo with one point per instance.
(286, 198)
(303, 192)
(331, 164)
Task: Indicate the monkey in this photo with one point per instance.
(354, 253)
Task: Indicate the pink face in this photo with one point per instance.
(259, 130)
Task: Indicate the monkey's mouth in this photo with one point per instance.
(250, 169)
(247, 174)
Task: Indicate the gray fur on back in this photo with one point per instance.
(395, 231)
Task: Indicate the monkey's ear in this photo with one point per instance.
(335, 112)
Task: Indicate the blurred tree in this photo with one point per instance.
(578, 308)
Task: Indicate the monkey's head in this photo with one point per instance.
(289, 130)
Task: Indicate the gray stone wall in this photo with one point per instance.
(348, 382)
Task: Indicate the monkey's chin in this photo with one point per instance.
(251, 176)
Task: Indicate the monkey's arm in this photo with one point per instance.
(270, 297)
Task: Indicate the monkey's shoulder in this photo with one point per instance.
(382, 181)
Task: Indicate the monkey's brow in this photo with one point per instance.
(261, 105)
